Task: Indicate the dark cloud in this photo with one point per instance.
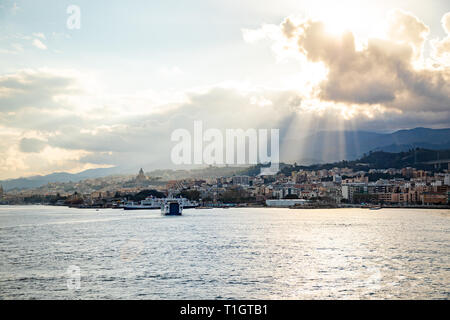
(383, 72)
(29, 145)
(32, 89)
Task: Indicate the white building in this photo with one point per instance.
(349, 189)
(447, 179)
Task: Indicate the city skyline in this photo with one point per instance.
(111, 92)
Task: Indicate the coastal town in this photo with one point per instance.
(325, 188)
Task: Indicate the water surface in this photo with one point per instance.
(236, 253)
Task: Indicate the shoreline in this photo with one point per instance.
(254, 207)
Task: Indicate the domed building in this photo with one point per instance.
(141, 177)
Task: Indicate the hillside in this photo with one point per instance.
(332, 146)
(326, 147)
(382, 160)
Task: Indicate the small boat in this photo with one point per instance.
(375, 208)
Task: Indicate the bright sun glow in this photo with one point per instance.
(341, 16)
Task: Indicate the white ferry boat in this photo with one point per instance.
(172, 207)
(152, 203)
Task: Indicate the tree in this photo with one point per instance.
(193, 195)
(364, 197)
(144, 194)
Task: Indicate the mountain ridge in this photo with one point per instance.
(321, 147)
(332, 146)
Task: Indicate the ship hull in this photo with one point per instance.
(141, 208)
(152, 208)
(172, 214)
(172, 208)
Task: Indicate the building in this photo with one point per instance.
(350, 189)
(419, 174)
(285, 202)
(241, 180)
(434, 198)
(447, 179)
(394, 197)
(141, 177)
(407, 172)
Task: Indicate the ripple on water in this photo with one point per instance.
(225, 254)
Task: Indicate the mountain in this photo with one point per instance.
(164, 175)
(417, 158)
(37, 181)
(321, 147)
(331, 146)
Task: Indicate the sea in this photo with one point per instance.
(49, 252)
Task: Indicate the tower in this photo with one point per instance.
(141, 176)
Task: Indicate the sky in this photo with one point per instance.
(111, 92)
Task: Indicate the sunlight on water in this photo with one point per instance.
(234, 253)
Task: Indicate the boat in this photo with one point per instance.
(172, 207)
(375, 208)
(151, 203)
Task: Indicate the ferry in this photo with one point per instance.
(152, 203)
(172, 207)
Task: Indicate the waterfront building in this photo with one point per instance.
(285, 202)
(350, 189)
(434, 198)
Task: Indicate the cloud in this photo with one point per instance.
(27, 156)
(404, 27)
(387, 72)
(38, 44)
(266, 31)
(39, 35)
(60, 120)
(40, 126)
(15, 49)
(34, 89)
(441, 48)
(172, 71)
(446, 22)
(42, 132)
(32, 145)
